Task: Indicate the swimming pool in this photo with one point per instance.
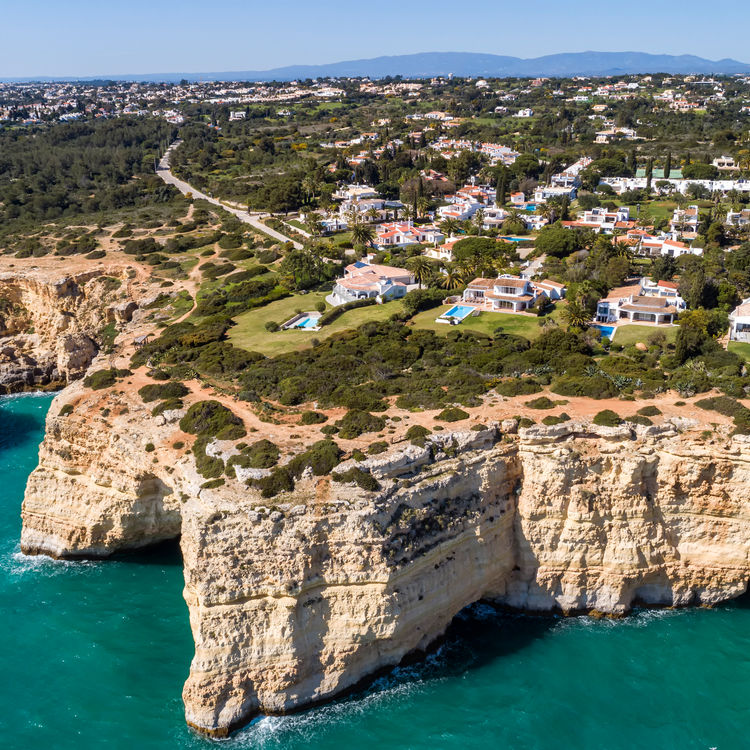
(608, 331)
(515, 239)
(458, 311)
(307, 322)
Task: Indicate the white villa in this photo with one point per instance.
(642, 302)
(370, 281)
(685, 220)
(510, 293)
(738, 218)
(403, 233)
(739, 322)
(600, 220)
(543, 194)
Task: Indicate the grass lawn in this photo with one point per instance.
(486, 322)
(741, 349)
(632, 334)
(250, 332)
(654, 211)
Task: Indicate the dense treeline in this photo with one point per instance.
(81, 167)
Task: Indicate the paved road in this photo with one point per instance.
(253, 219)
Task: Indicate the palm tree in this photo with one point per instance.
(452, 278)
(420, 267)
(314, 224)
(479, 221)
(407, 213)
(372, 213)
(362, 234)
(449, 227)
(423, 205)
(576, 315)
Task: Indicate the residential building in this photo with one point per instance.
(641, 302)
(600, 220)
(739, 322)
(685, 221)
(544, 193)
(738, 218)
(370, 281)
(725, 163)
(510, 293)
(403, 233)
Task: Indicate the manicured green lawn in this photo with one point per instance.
(739, 348)
(632, 334)
(250, 332)
(486, 322)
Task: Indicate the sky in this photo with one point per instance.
(107, 37)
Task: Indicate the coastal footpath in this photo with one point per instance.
(295, 600)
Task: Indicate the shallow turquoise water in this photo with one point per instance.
(94, 655)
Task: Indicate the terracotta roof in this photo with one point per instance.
(515, 283)
(481, 284)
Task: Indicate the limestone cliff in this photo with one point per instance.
(50, 331)
(296, 599)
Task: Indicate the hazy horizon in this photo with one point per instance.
(44, 39)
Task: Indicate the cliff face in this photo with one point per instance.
(96, 489)
(49, 329)
(296, 599)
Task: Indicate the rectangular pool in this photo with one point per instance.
(608, 331)
(307, 322)
(458, 311)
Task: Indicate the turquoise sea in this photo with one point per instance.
(93, 655)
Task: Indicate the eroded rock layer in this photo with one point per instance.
(295, 599)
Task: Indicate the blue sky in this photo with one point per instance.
(100, 37)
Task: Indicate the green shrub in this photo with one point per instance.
(104, 378)
(212, 419)
(150, 447)
(639, 419)
(262, 454)
(551, 420)
(452, 414)
(321, 457)
(541, 403)
(356, 422)
(362, 479)
(279, 480)
(272, 326)
(212, 484)
(607, 418)
(379, 446)
(525, 422)
(518, 387)
(596, 387)
(729, 407)
(649, 411)
(66, 409)
(170, 404)
(161, 391)
(417, 434)
(207, 466)
(312, 417)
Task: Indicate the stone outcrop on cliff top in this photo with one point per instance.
(293, 600)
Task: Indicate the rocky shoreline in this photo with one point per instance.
(294, 601)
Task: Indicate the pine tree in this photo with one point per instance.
(668, 165)
(649, 173)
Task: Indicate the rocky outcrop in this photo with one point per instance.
(49, 329)
(294, 600)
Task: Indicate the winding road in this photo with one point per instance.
(164, 171)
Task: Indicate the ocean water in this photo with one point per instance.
(93, 655)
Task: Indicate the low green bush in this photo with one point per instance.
(104, 378)
(356, 422)
(312, 417)
(518, 387)
(649, 411)
(171, 404)
(212, 419)
(607, 418)
(416, 434)
(729, 407)
(541, 403)
(161, 391)
(452, 414)
(379, 446)
(639, 419)
(362, 479)
(66, 409)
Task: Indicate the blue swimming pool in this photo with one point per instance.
(515, 239)
(608, 331)
(458, 311)
(307, 322)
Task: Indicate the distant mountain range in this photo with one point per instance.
(429, 64)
